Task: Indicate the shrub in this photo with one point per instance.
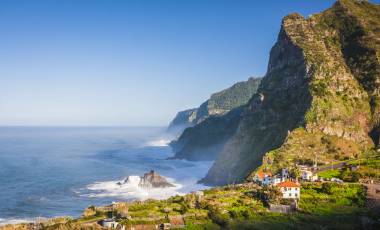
(218, 217)
(350, 176)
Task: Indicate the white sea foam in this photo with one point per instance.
(129, 189)
(183, 175)
(158, 142)
(5, 221)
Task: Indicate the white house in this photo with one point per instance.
(290, 189)
(263, 178)
(308, 175)
(267, 180)
(109, 223)
(276, 180)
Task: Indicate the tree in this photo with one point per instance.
(295, 173)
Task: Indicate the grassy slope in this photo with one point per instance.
(319, 98)
(340, 49)
(328, 206)
(322, 206)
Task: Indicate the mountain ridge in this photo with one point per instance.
(318, 99)
(218, 104)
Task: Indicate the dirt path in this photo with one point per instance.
(330, 167)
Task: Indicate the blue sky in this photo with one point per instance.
(88, 62)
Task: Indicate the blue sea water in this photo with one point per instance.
(59, 171)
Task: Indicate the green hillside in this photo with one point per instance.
(319, 98)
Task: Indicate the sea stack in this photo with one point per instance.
(154, 180)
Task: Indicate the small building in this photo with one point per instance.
(285, 173)
(199, 193)
(165, 226)
(290, 189)
(336, 180)
(276, 179)
(308, 175)
(109, 223)
(280, 208)
(263, 178)
(267, 180)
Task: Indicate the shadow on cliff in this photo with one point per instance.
(279, 107)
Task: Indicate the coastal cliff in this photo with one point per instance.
(206, 140)
(318, 100)
(216, 121)
(218, 104)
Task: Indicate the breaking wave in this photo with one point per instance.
(159, 142)
(129, 189)
(6, 221)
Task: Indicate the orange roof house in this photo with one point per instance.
(261, 175)
(290, 189)
(288, 184)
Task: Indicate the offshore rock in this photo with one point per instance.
(154, 180)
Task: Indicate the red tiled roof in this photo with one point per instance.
(262, 174)
(288, 184)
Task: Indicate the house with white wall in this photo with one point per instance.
(263, 178)
(290, 189)
(276, 179)
(308, 175)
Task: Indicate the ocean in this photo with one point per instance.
(59, 171)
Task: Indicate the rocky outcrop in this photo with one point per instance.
(219, 104)
(154, 180)
(318, 100)
(149, 180)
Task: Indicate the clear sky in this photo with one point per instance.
(89, 62)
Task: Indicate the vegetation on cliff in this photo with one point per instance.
(322, 205)
(218, 104)
(319, 98)
(216, 121)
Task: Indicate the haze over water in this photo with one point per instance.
(57, 171)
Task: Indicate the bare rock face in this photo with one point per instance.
(90, 211)
(320, 97)
(154, 180)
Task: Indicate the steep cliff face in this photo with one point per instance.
(222, 102)
(318, 100)
(206, 140)
(219, 104)
(182, 120)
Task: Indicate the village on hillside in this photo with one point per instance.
(280, 193)
(295, 195)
